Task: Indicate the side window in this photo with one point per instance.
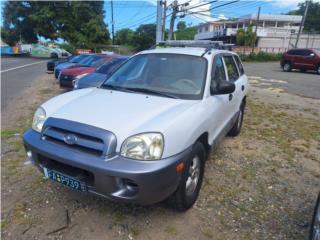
(218, 73)
(240, 66)
(231, 68)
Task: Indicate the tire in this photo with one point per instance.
(315, 224)
(287, 67)
(189, 186)
(318, 69)
(236, 128)
(303, 70)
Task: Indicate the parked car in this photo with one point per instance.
(96, 78)
(145, 134)
(54, 62)
(315, 224)
(302, 59)
(88, 65)
(69, 64)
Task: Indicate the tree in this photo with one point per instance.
(144, 37)
(186, 33)
(79, 23)
(181, 25)
(240, 37)
(246, 37)
(313, 16)
(124, 36)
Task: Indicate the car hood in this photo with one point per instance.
(75, 71)
(124, 114)
(93, 79)
(64, 65)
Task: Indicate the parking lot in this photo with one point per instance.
(260, 185)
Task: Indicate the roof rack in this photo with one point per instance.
(206, 44)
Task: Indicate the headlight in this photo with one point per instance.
(38, 119)
(146, 146)
(80, 76)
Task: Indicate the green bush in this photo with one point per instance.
(260, 57)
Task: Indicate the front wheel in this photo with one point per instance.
(318, 69)
(287, 67)
(190, 183)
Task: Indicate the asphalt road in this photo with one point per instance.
(18, 74)
(295, 82)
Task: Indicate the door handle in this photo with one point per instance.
(230, 97)
(242, 87)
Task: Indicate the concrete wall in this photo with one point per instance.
(306, 41)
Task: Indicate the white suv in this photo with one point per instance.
(144, 135)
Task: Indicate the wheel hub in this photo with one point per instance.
(193, 176)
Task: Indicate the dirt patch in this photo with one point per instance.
(260, 185)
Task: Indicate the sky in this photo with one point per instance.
(130, 14)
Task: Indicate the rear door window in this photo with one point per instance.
(231, 68)
(240, 66)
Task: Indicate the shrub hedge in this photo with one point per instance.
(260, 57)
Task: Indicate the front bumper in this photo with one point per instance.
(116, 177)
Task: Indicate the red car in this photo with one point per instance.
(302, 58)
(88, 65)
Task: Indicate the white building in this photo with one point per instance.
(274, 31)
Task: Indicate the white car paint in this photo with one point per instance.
(125, 114)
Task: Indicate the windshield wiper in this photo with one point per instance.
(113, 87)
(150, 91)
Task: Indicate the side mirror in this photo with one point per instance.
(224, 87)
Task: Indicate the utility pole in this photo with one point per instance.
(164, 2)
(175, 9)
(112, 22)
(302, 23)
(159, 22)
(256, 30)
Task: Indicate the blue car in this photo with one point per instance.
(95, 79)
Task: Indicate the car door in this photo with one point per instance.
(308, 59)
(235, 98)
(219, 106)
(243, 79)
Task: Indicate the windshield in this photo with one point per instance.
(78, 58)
(110, 66)
(177, 75)
(92, 61)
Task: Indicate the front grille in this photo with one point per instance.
(82, 143)
(80, 137)
(77, 173)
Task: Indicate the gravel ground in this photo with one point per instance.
(260, 185)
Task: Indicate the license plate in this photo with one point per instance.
(64, 180)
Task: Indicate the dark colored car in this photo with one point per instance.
(96, 78)
(86, 66)
(76, 60)
(302, 59)
(54, 62)
(315, 225)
